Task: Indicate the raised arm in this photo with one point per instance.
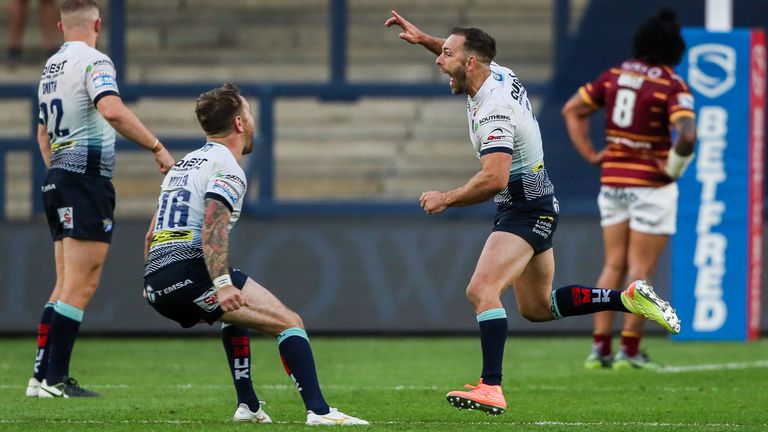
(216, 250)
(576, 113)
(125, 121)
(414, 35)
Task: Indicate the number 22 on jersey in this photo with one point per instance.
(57, 111)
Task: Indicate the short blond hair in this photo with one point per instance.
(79, 12)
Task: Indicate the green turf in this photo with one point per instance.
(396, 383)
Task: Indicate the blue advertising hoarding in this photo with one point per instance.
(716, 280)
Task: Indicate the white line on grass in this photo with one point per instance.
(542, 423)
(344, 387)
(715, 367)
(399, 388)
(98, 422)
(580, 425)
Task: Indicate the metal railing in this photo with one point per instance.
(261, 163)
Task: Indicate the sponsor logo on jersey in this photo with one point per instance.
(493, 137)
(189, 164)
(107, 223)
(654, 72)
(619, 194)
(48, 188)
(103, 62)
(208, 301)
(54, 68)
(150, 293)
(66, 217)
(229, 191)
(712, 69)
(631, 81)
(233, 178)
(543, 228)
(174, 287)
(643, 145)
(61, 146)
(102, 79)
(494, 118)
(171, 236)
(685, 100)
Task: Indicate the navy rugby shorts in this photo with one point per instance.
(535, 221)
(183, 292)
(78, 205)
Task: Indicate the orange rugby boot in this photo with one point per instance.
(483, 397)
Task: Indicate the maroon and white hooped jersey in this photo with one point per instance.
(641, 102)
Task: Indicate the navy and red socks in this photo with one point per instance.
(575, 300)
(237, 345)
(43, 330)
(299, 364)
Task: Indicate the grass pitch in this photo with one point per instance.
(398, 384)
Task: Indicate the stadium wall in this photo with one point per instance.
(343, 275)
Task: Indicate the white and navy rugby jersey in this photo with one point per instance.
(501, 120)
(73, 81)
(208, 172)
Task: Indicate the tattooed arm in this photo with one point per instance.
(216, 251)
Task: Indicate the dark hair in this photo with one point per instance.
(477, 41)
(78, 5)
(217, 108)
(658, 40)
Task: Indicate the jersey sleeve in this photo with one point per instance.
(227, 184)
(100, 78)
(680, 103)
(496, 132)
(593, 92)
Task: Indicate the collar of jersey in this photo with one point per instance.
(485, 89)
(76, 42)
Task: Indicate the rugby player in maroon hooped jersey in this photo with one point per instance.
(644, 102)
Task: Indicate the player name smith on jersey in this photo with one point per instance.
(72, 83)
(209, 172)
(501, 120)
(641, 102)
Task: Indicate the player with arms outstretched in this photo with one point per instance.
(505, 137)
(643, 99)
